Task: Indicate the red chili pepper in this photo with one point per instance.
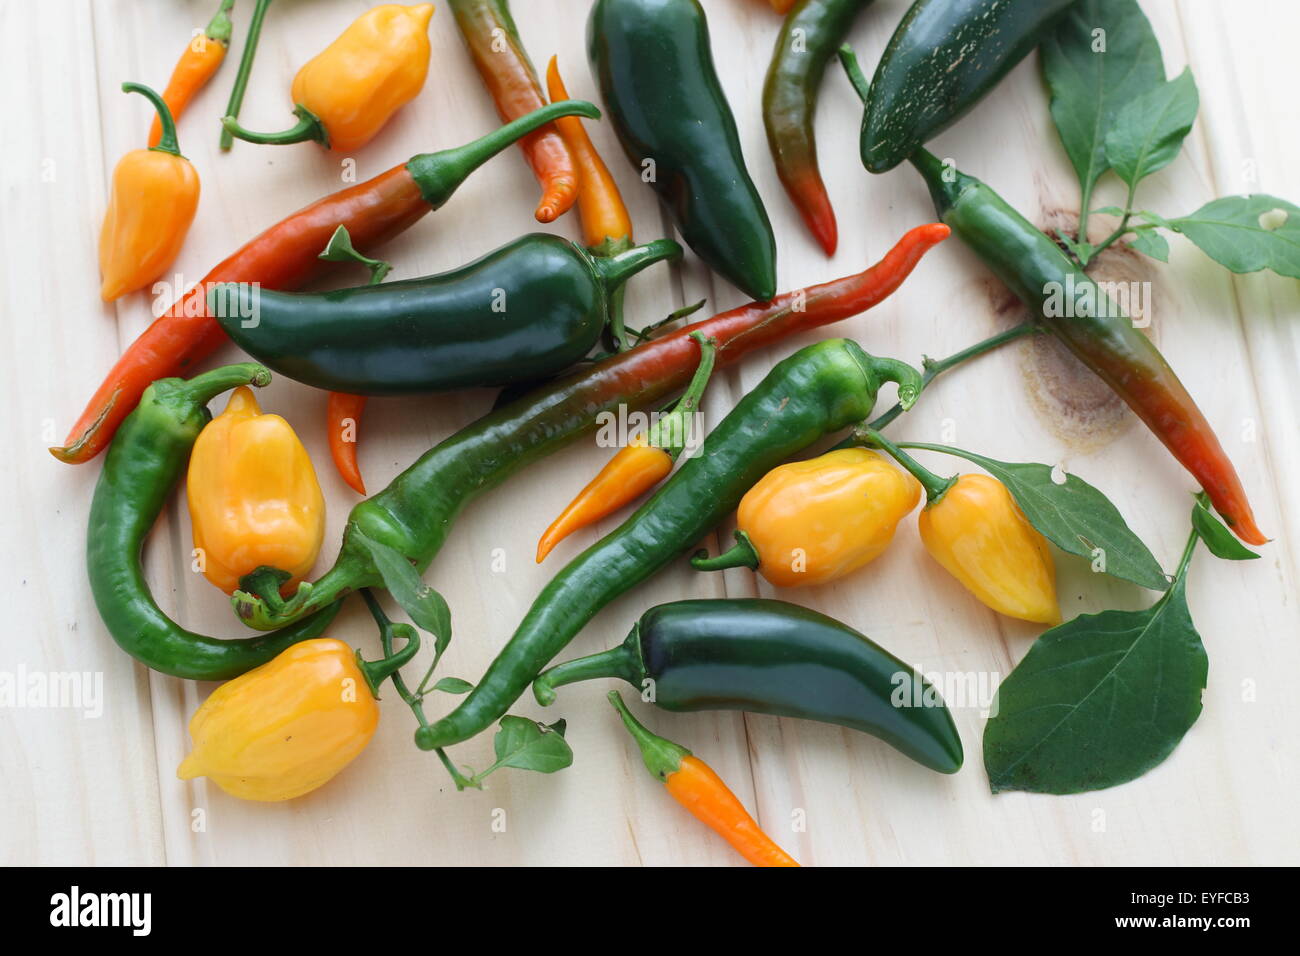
(284, 257)
(493, 41)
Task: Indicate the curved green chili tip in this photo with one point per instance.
(168, 143)
(308, 128)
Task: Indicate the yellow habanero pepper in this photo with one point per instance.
(253, 496)
(978, 533)
(285, 728)
(809, 522)
(154, 196)
(345, 95)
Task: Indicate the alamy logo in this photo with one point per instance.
(75, 908)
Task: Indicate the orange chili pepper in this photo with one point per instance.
(489, 32)
(202, 58)
(343, 418)
(639, 466)
(154, 196)
(695, 785)
(781, 6)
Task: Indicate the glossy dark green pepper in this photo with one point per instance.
(522, 312)
(770, 657)
(652, 61)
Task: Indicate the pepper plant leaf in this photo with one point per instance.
(528, 745)
(453, 685)
(1149, 130)
(1098, 700)
(1148, 241)
(1221, 542)
(1073, 515)
(1247, 233)
(1102, 55)
(427, 608)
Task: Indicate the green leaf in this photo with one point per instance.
(1098, 700)
(1081, 251)
(1247, 233)
(1150, 129)
(1092, 76)
(528, 745)
(1149, 242)
(453, 685)
(427, 607)
(340, 249)
(1221, 542)
(1073, 515)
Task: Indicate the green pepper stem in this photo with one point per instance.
(646, 332)
(668, 433)
(439, 174)
(376, 672)
(207, 386)
(616, 269)
(849, 60)
(168, 143)
(617, 329)
(267, 612)
(907, 378)
(623, 661)
(220, 28)
(742, 554)
(308, 127)
(245, 68)
(934, 485)
(661, 757)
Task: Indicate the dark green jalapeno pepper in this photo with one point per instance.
(520, 313)
(820, 389)
(652, 61)
(145, 461)
(770, 657)
(944, 56)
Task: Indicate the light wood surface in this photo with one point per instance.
(101, 790)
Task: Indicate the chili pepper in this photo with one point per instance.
(154, 196)
(809, 522)
(638, 466)
(490, 35)
(283, 257)
(809, 37)
(818, 390)
(415, 512)
(942, 59)
(770, 657)
(781, 6)
(201, 59)
(245, 68)
(347, 92)
(343, 418)
(1094, 329)
(606, 225)
(286, 727)
(652, 62)
(253, 496)
(143, 465)
(527, 310)
(696, 786)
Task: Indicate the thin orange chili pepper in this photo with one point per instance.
(696, 786)
(200, 61)
(781, 6)
(639, 466)
(343, 418)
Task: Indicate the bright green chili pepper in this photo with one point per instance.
(146, 459)
(820, 389)
(652, 61)
(523, 312)
(770, 657)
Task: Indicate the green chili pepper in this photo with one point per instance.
(944, 56)
(655, 70)
(525, 311)
(770, 657)
(144, 462)
(813, 30)
(820, 389)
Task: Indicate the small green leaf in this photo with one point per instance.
(428, 608)
(1151, 243)
(453, 685)
(1081, 251)
(1247, 233)
(1152, 218)
(528, 745)
(1098, 700)
(1149, 130)
(1221, 542)
(1108, 211)
(340, 249)
(1073, 515)
(1102, 55)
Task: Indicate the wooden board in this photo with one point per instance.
(102, 789)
